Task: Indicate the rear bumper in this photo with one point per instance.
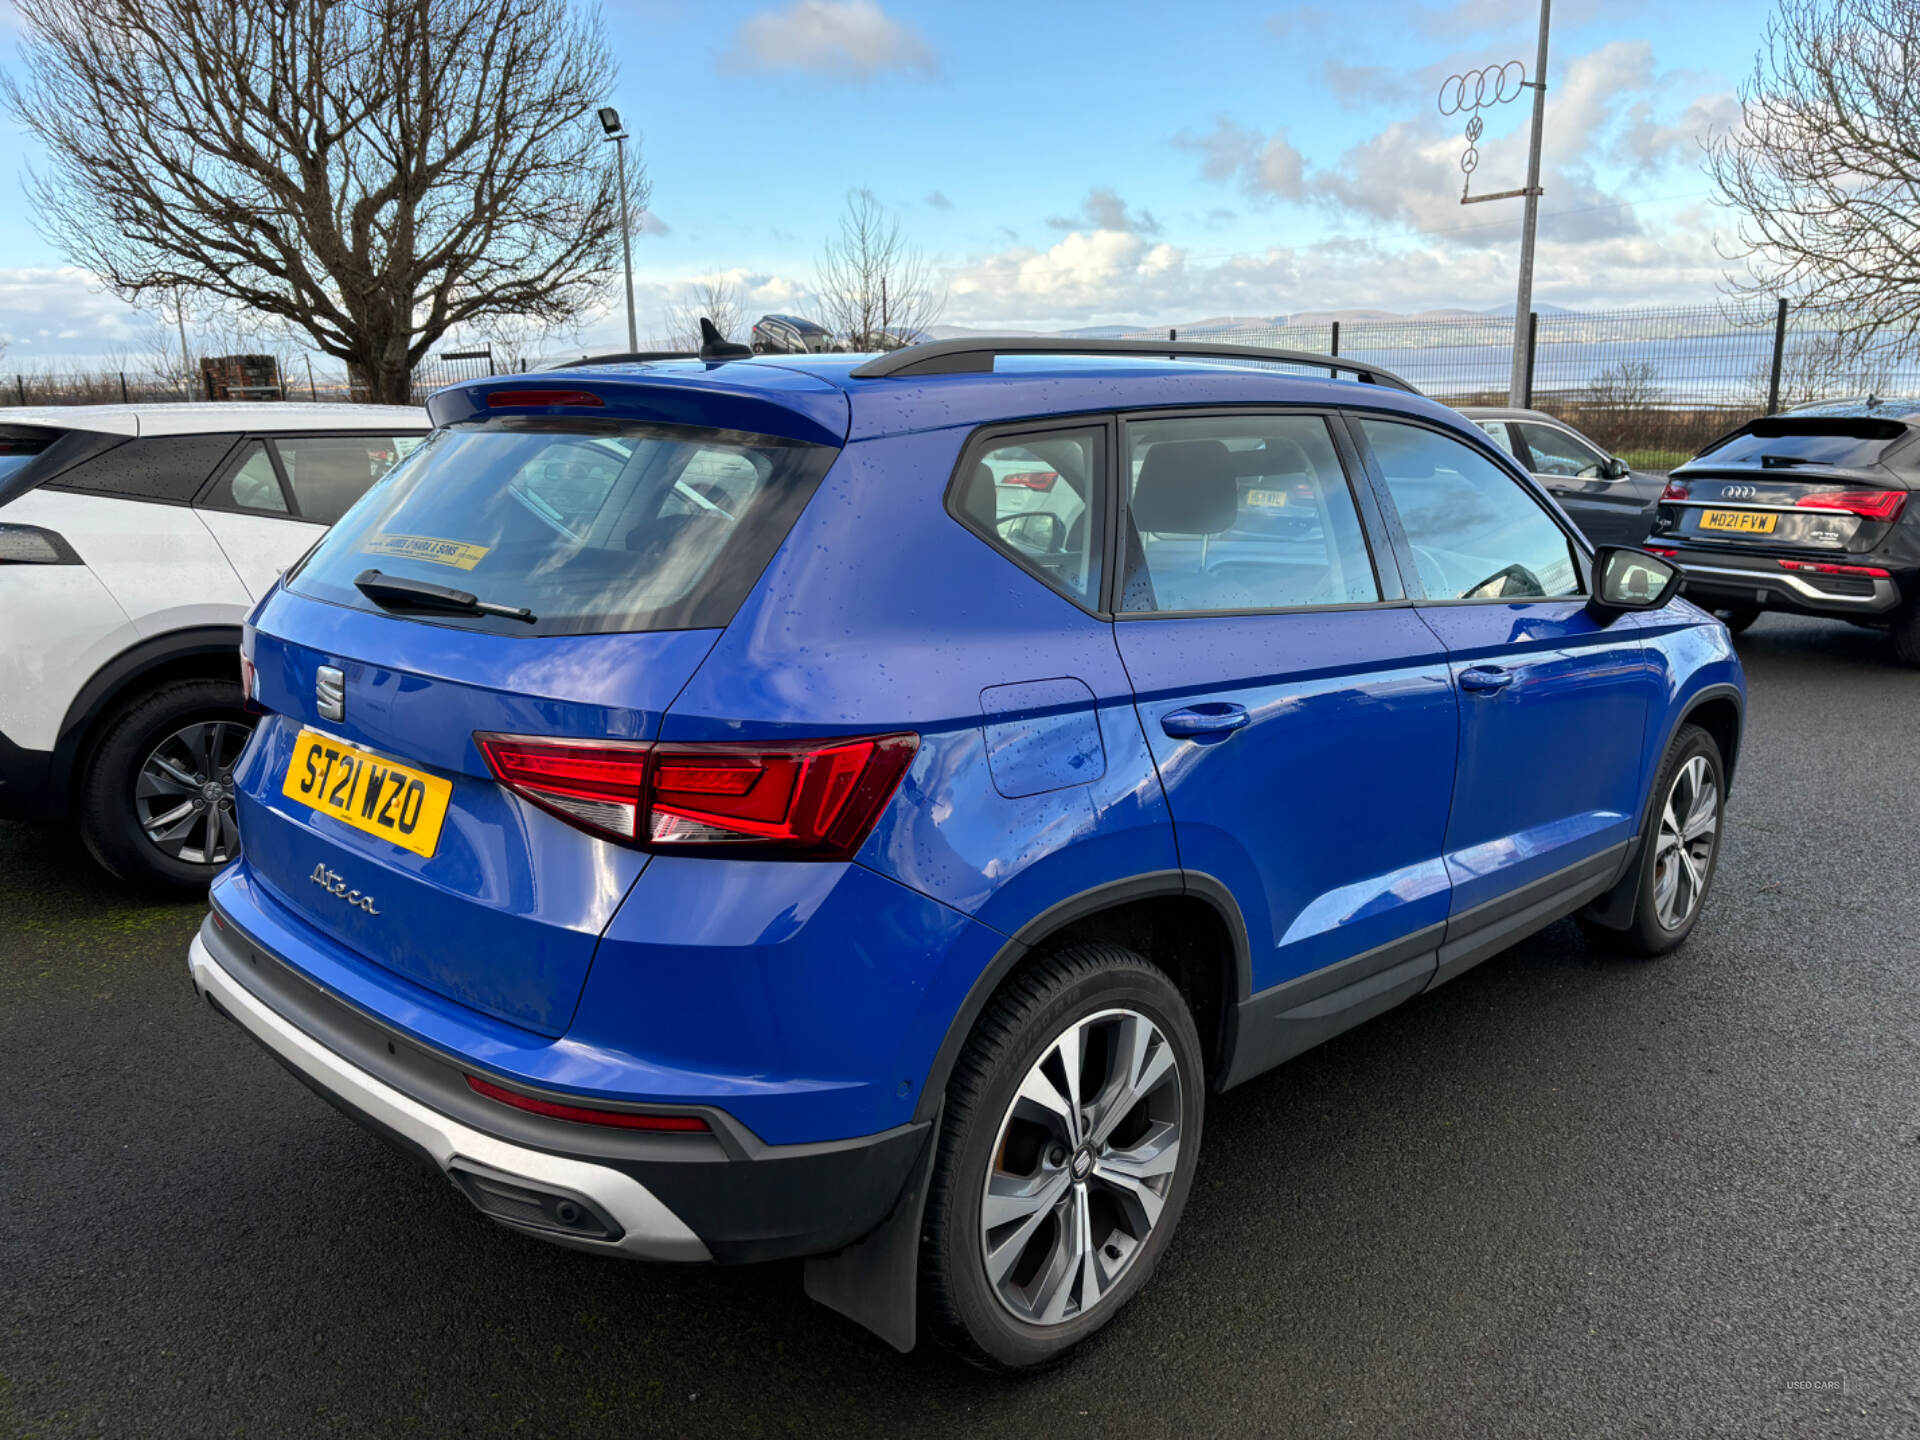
(1717, 583)
(722, 1196)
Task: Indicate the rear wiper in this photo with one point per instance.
(396, 592)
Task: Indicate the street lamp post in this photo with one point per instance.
(610, 123)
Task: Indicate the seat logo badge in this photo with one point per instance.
(330, 693)
(330, 881)
(1731, 492)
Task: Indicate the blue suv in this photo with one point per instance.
(861, 808)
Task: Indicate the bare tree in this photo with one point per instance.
(519, 342)
(876, 290)
(717, 297)
(1628, 386)
(371, 172)
(1827, 365)
(1825, 170)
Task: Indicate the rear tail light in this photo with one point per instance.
(596, 784)
(585, 1114)
(1675, 490)
(1031, 479)
(1821, 567)
(1867, 504)
(1661, 551)
(810, 799)
(249, 677)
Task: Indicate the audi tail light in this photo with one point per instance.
(1676, 490)
(802, 800)
(1822, 567)
(1867, 504)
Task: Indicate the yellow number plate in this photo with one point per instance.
(1271, 499)
(367, 791)
(1744, 522)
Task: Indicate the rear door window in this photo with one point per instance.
(1557, 453)
(1240, 513)
(595, 527)
(253, 484)
(329, 472)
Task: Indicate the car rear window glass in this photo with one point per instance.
(17, 451)
(1036, 499)
(596, 527)
(153, 467)
(1784, 443)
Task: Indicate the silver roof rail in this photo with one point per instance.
(974, 357)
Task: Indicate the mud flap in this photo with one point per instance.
(1614, 910)
(875, 1282)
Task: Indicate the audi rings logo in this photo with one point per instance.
(1737, 492)
(1489, 85)
(1472, 92)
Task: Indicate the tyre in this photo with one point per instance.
(1679, 849)
(1067, 1149)
(1905, 633)
(155, 800)
(1738, 617)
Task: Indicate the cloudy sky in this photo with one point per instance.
(1068, 163)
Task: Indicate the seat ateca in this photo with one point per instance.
(863, 807)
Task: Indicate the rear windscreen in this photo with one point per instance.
(595, 527)
(1784, 443)
(18, 448)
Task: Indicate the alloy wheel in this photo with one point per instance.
(1085, 1158)
(183, 796)
(1683, 849)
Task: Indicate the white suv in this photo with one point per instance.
(133, 541)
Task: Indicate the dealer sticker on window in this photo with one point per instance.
(457, 553)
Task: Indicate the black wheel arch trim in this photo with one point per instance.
(1614, 908)
(111, 681)
(1720, 690)
(1113, 893)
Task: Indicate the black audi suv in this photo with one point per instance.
(1807, 512)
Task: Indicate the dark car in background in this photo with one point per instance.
(1805, 512)
(790, 335)
(1611, 502)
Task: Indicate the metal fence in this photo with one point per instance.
(301, 379)
(1653, 384)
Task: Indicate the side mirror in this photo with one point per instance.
(1626, 579)
(1615, 469)
(1039, 532)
